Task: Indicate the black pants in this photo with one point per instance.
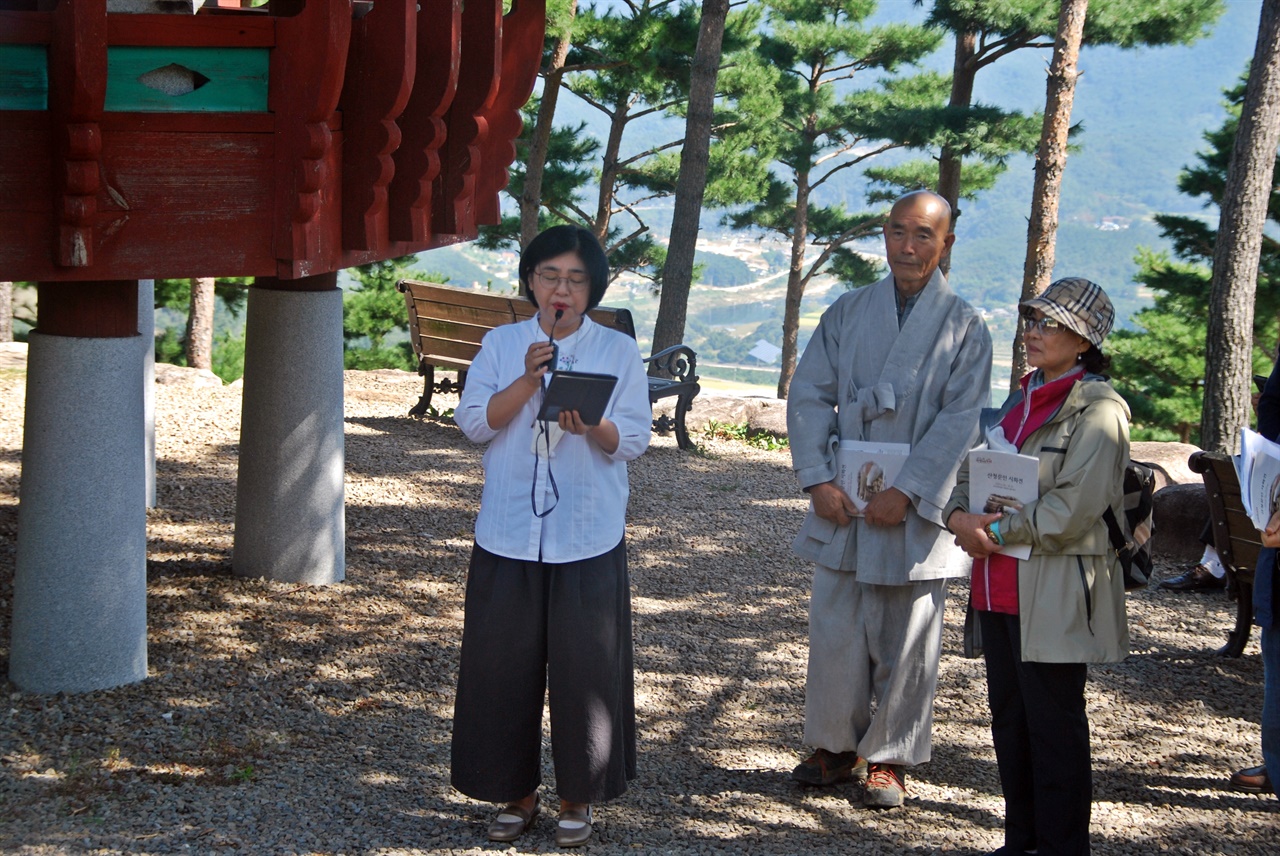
(1041, 736)
(533, 629)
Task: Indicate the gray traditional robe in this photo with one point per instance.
(861, 378)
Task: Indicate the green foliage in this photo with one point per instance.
(718, 270)
(1160, 367)
(571, 154)
(374, 314)
(228, 356)
(227, 359)
(825, 120)
(169, 347)
(243, 774)
(743, 433)
(1123, 23)
(631, 63)
(174, 295)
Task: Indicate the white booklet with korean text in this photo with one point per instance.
(864, 469)
(1258, 467)
(1003, 482)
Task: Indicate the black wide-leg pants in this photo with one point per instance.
(1041, 735)
(560, 630)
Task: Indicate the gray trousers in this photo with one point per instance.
(560, 630)
(873, 666)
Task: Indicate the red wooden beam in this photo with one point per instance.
(242, 31)
(319, 282)
(26, 28)
(96, 309)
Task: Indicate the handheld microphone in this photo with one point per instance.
(555, 349)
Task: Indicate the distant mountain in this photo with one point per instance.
(1143, 114)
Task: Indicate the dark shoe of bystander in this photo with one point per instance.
(1198, 578)
(1251, 780)
(826, 768)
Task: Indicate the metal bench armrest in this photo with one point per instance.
(679, 361)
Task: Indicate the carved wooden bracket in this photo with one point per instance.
(453, 197)
(381, 68)
(417, 161)
(307, 69)
(523, 30)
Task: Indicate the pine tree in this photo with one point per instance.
(1243, 213)
(1159, 366)
(375, 326)
(827, 125)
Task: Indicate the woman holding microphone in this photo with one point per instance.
(548, 609)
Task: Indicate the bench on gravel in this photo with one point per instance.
(1234, 537)
(446, 325)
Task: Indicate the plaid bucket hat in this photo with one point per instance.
(1079, 304)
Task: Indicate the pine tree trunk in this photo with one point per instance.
(962, 76)
(6, 311)
(200, 324)
(609, 173)
(1229, 352)
(677, 274)
(795, 286)
(531, 196)
(1051, 163)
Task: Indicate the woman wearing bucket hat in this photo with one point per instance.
(1043, 618)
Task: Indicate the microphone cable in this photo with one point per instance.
(544, 433)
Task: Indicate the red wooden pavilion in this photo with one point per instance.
(284, 143)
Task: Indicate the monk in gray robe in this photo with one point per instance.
(902, 361)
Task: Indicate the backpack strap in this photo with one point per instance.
(1118, 541)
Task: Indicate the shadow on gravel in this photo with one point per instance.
(288, 719)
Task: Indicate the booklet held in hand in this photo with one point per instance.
(584, 392)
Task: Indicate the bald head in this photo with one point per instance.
(916, 237)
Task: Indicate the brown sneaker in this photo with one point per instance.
(886, 786)
(1251, 780)
(826, 768)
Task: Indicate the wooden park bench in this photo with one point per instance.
(446, 325)
(1235, 538)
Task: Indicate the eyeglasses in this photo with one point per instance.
(575, 282)
(1046, 325)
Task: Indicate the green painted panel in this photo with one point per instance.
(24, 77)
(187, 80)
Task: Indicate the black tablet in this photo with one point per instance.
(584, 392)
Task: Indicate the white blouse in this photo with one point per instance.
(590, 515)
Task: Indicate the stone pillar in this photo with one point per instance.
(80, 581)
(147, 332)
(290, 519)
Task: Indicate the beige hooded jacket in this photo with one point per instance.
(1071, 591)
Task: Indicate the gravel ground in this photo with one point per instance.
(282, 719)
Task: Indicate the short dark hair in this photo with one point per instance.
(557, 241)
(1095, 362)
